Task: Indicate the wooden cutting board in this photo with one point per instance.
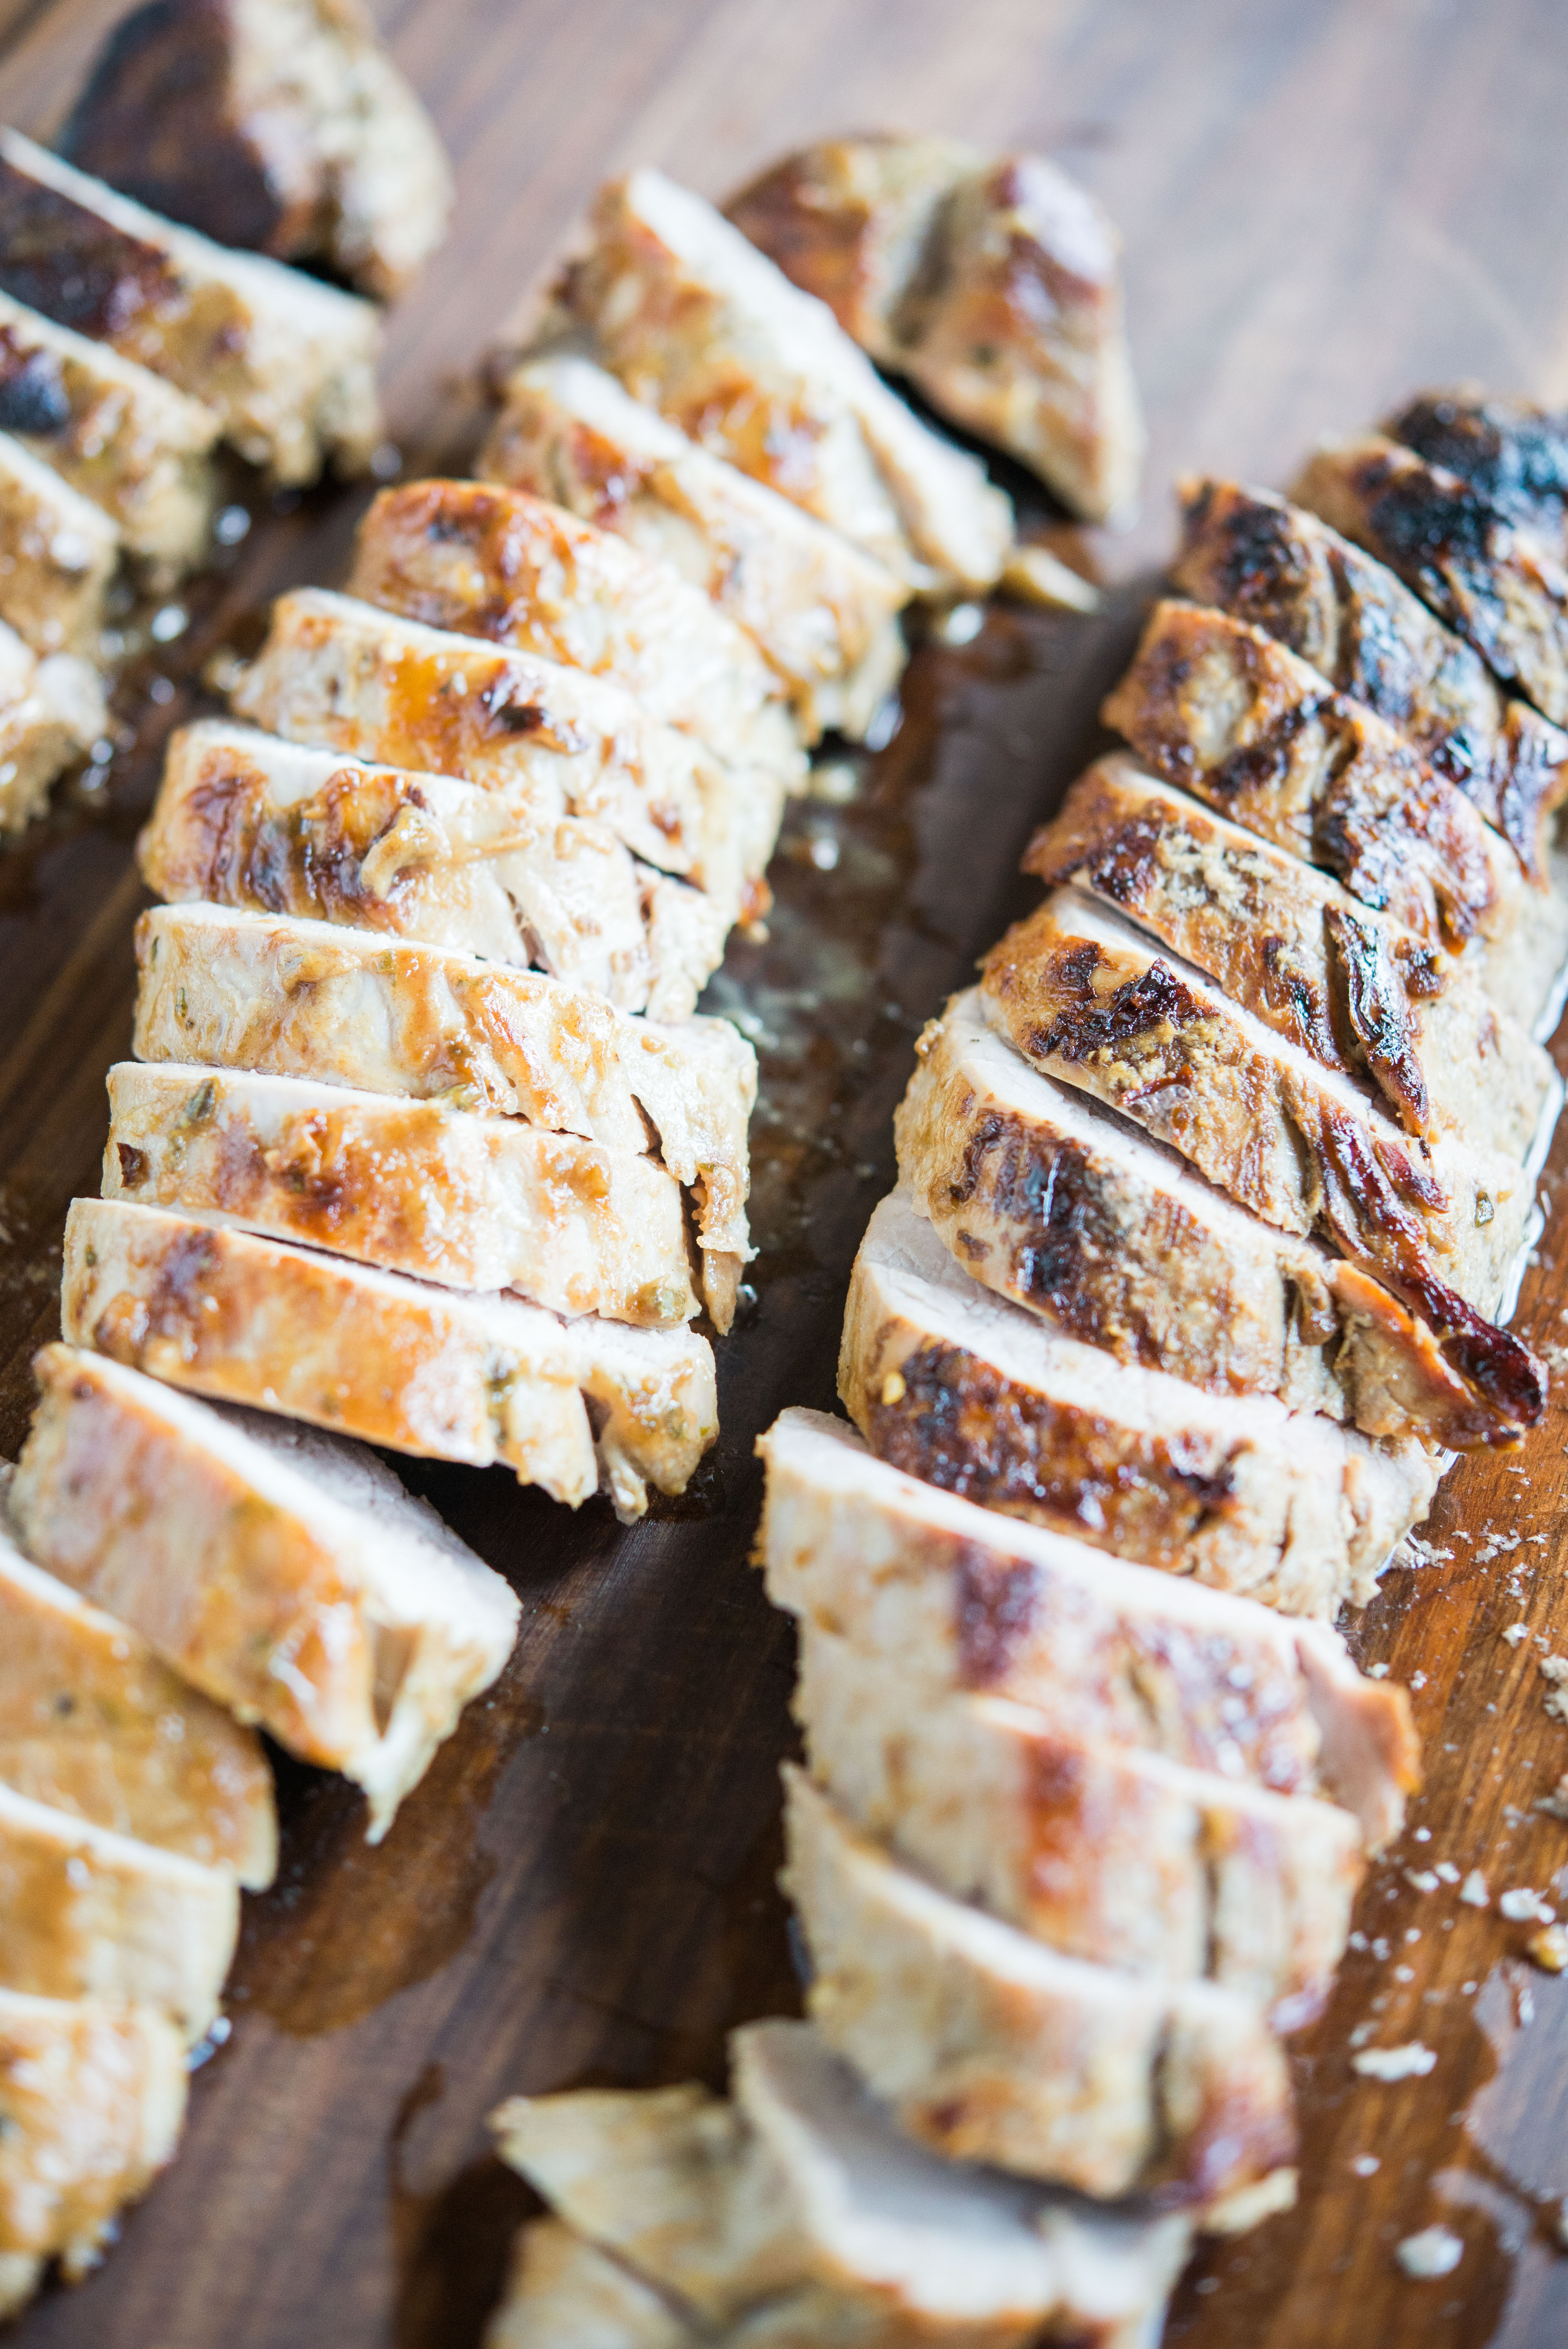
(1326, 204)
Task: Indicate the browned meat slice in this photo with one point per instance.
(287, 363)
(1227, 713)
(702, 326)
(946, 1381)
(93, 1724)
(1280, 568)
(484, 560)
(92, 2095)
(1349, 987)
(242, 991)
(1051, 1200)
(1120, 1857)
(994, 286)
(802, 2217)
(476, 1203)
(991, 2047)
(57, 555)
(245, 819)
(820, 610)
(1512, 453)
(1086, 999)
(279, 126)
(287, 1574)
(963, 1601)
(1503, 588)
(576, 1406)
(50, 710)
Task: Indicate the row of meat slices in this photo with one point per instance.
(1212, 1195)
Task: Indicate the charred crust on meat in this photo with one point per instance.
(33, 397)
(1093, 1024)
(1375, 1007)
(58, 258)
(1511, 453)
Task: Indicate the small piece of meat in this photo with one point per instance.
(475, 1202)
(1347, 985)
(961, 1600)
(1119, 1857)
(800, 2214)
(1512, 453)
(140, 450)
(92, 2096)
(245, 991)
(1050, 1200)
(50, 710)
(990, 2047)
(279, 126)
(702, 326)
(57, 555)
(822, 614)
(1503, 588)
(947, 1382)
(287, 364)
(561, 2292)
(93, 1724)
(1225, 712)
(1278, 567)
(286, 1574)
(994, 287)
(575, 1406)
(484, 560)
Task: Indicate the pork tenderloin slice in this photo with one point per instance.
(299, 999)
(948, 1381)
(822, 613)
(963, 1600)
(92, 1723)
(139, 449)
(563, 2293)
(1057, 1204)
(991, 2047)
(243, 818)
(279, 126)
(476, 1203)
(287, 363)
(92, 2095)
(1512, 453)
(87, 1913)
(574, 1406)
(1502, 587)
(342, 676)
(484, 560)
(1274, 565)
(1352, 988)
(58, 554)
(286, 1574)
(1119, 1857)
(50, 710)
(703, 326)
(1087, 1000)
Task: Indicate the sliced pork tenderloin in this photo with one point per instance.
(994, 286)
(286, 1574)
(482, 561)
(823, 613)
(1103, 1852)
(962, 1600)
(299, 999)
(1499, 584)
(1053, 1201)
(991, 2047)
(948, 1381)
(93, 1724)
(92, 2096)
(1279, 568)
(59, 552)
(477, 1202)
(1225, 712)
(1512, 453)
(700, 324)
(575, 1406)
(50, 710)
(1348, 985)
(287, 363)
(563, 2293)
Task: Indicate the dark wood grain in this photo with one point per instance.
(1324, 206)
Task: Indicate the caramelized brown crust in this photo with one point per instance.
(1502, 588)
(1281, 569)
(1513, 453)
(1223, 710)
(1344, 984)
